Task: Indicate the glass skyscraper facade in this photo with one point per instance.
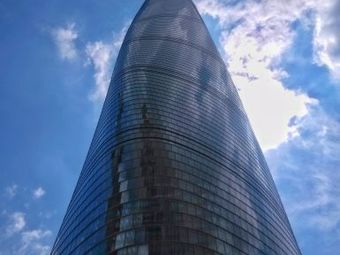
(174, 166)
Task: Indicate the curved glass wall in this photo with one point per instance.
(174, 166)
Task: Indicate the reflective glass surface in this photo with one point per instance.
(174, 166)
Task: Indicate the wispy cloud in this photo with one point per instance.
(327, 36)
(11, 191)
(101, 55)
(39, 192)
(17, 223)
(31, 242)
(64, 38)
(25, 240)
(255, 36)
(307, 170)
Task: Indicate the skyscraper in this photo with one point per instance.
(174, 166)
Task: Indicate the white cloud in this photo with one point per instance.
(17, 223)
(101, 55)
(31, 242)
(270, 108)
(64, 38)
(255, 36)
(39, 192)
(27, 242)
(33, 235)
(11, 191)
(274, 14)
(327, 36)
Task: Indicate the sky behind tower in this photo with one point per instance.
(57, 57)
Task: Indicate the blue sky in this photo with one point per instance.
(56, 58)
